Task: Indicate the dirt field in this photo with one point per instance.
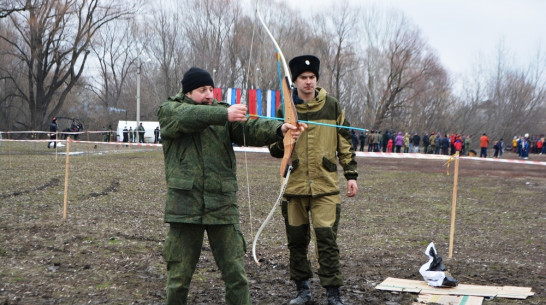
(108, 250)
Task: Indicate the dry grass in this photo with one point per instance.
(108, 250)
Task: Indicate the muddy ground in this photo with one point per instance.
(108, 249)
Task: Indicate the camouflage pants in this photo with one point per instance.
(325, 214)
(182, 250)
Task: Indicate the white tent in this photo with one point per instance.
(149, 126)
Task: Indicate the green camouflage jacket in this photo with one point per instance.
(317, 148)
(200, 165)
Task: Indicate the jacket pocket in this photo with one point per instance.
(185, 184)
(329, 165)
(229, 185)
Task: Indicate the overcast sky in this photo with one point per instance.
(466, 31)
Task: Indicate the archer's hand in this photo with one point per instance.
(236, 113)
(352, 188)
(296, 131)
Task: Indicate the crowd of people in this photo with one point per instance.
(525, 145)
(443, 143)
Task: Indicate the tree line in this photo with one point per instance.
(83, 58)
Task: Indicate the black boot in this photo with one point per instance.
(334, 296)
(304, 294)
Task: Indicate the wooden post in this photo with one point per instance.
(454, 204)
(9, 150)
(66, 176)
(87, 145)
(56, 149)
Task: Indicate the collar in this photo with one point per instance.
(297, 100)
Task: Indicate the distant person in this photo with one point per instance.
(524, 149)
(389, 145)
(426, 143)
(498, 147)
(432, 140)
(458, 144)
(141, 132)
(53, 128)
(399, 142)
(125, 134)
(376, 140)
(540, 146)
(131, 135)
(467, 144)
(385, 141)
(354, 138)
(362, 140)
(452, 142)
(515, 144)
(445, 145)
(156, 135)
(407, 142)
(110, 133)
(370, 140)
(104, 134)
(416, 140)
(437, 143)
(484, 142)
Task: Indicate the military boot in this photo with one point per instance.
(334, 296)
(304, 294)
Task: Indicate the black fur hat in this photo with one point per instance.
(304, 63)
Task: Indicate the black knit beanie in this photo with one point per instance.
(304, 63)
(195, 78)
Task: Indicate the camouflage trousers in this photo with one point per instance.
(323, 213)
(182, 250)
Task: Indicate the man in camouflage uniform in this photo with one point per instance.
(312, 195)
(200, 168)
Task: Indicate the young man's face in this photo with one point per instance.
(202, 95)
(306, 83)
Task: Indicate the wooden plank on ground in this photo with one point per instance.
(394, 284)
(449, 299)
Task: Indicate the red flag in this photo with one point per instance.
(252, 101)
(217, 94)
(238, 96)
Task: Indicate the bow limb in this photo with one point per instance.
(291, 117)
(285, 66)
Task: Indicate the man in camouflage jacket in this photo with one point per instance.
(313, 185)
(200, 168)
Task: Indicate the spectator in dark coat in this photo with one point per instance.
(416, 140)
(445, 145)
(362, 139)
(426, 143)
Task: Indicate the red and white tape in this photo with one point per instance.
(358, 153)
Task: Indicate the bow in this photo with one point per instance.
(291, 117)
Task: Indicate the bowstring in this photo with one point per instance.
(244, 136)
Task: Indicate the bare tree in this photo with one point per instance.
(504, 101)
(399, 68)
(208, 27)
(8, 7)
(115, 50)
(52, 43)
(168, 48)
